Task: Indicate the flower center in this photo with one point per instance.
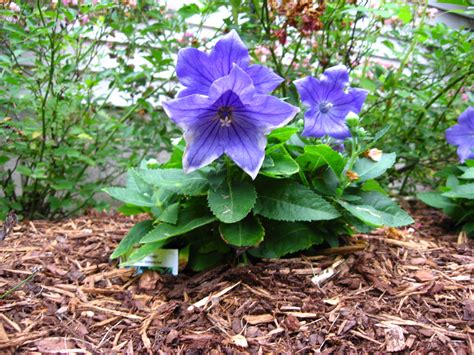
(325, 106)
(225, 115)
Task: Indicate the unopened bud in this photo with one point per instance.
(152, 164)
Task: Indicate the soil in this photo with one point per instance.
(406, 290)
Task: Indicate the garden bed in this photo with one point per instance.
(393, 290)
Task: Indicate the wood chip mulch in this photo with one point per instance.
(405, 290)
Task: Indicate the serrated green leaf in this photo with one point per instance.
(245, 233)
(368, 169)
(284, 238)
(170, 214)
(290, 201)
(468, 174)
(232, 201)
(130, 197)
(282, 134)
(315, 156)
(435, 199)
(461, 191)
(283, 166)
(133, 237)
(377, 210)
(189, 219)
(176, 180)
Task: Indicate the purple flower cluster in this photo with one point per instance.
(225, 106)
(462, 135)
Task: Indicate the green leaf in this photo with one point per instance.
(189, 219)
(468, 174)
(245, 233)
(289, 201)
(283, 166)
(142, 252)
(461, 191)
(176, 180)
(130, 210)
(315, 156)
(377, 210)
(282, 134)
(373, 185)
(435, 199)
(232, 201)
(133, 237)
(404, 14)
(188, 11)
(368, 169)
(170, 214)
(130, 197)
(284, 238)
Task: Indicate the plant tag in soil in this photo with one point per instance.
(161, 258)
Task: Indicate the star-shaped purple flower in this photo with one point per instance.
(329, 101)
(462, 135)
(197, 70)
(232, 119)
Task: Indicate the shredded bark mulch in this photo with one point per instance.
(407, 290)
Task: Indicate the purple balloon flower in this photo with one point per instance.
(197, 70)
(329, 101)
(232, 119)
(462, 135)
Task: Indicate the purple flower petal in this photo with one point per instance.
(204, 144)
(189, 111)
(317, 124)
(229, 50)
(308, 90)
(195, 71)
(237, 81)
(337, 75)
(462, 135)
(266, 112)
(465, 153)
(246, 147)
(358, 98)
(264, 79)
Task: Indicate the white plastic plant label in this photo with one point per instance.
(165, 258)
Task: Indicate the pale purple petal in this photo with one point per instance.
(266, 113)
(246, 147)
(204, 144)
(462, 135)
(465, 152)
(237, 81)
(229, 50)
(317, 124)
(337, 75)
(458, 134)
(195, 71)
(188, 111)
(264, 79)
(358, 98)
(308, 90)
(467, 117)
